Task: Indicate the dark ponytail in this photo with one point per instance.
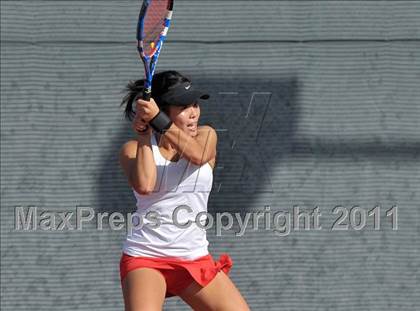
(133, 89)
(160, 84)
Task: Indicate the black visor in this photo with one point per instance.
(181, 95)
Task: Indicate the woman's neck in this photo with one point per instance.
(165, 144)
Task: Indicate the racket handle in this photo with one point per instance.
(146, 96)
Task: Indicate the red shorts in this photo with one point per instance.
(178, 273)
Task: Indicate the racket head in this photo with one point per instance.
(153, 25)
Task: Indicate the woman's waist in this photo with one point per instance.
(166, 226)
(153, 252)
(167, 237)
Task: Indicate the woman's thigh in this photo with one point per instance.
(220, 294)
(144, 289)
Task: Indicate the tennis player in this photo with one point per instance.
(170, 166)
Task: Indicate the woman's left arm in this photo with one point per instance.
(199, 149)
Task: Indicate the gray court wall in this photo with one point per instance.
(316, 103)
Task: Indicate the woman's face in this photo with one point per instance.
(186, 117)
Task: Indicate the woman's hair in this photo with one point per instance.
(160, 84)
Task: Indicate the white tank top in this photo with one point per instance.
(178, 184)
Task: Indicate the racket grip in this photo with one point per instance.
(145, 96)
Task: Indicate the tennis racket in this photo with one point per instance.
(152, 28)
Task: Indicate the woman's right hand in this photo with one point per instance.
(139, 126)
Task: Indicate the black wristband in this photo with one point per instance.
(161, 122)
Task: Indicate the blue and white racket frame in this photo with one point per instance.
(151, 61)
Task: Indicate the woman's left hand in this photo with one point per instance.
(147, 109)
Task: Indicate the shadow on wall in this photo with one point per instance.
(255, 122)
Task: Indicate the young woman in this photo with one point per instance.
(170, 166)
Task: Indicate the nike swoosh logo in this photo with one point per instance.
(188, 87)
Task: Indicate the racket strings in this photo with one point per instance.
(154, 24)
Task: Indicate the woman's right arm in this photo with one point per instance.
(138, 164)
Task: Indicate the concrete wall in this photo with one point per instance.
(316, 103)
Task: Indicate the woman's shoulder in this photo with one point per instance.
(206, 126)
(130, 144)
(129, 148)
(206, 129)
